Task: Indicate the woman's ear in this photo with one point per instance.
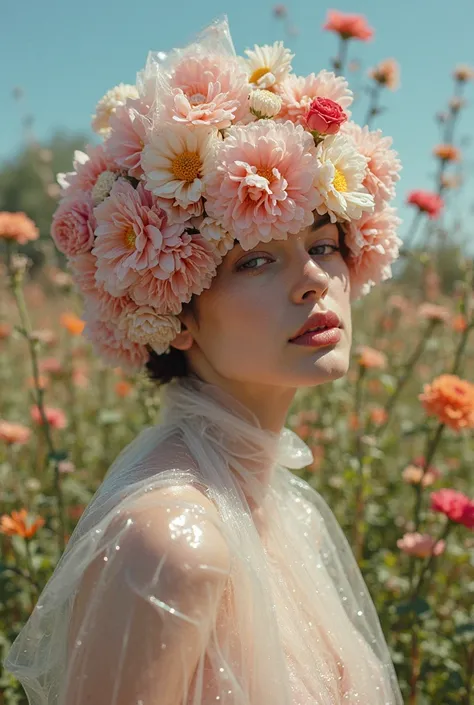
(184, 339)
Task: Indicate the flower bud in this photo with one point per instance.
(264, 104)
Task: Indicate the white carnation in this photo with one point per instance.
(213, 232)
(108, 105)
(145, 326)
(265, 104)
(103, 187)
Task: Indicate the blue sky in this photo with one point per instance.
(65, 55)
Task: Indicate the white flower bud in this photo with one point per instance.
(103, 186)
(264, 104)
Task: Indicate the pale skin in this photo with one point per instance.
(239, 338)
(239, 341)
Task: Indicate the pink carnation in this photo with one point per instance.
(455, 505)
(129, 126)
(262, 186)
(421, 545)
(55, 417)
(348, 26)
(133, 236)
(298, 92)
(374, 245)
(384, 165)
(426, 202)
(88, 167)
(195, 264)
(208, 90)
(113, 346)
(73, 224)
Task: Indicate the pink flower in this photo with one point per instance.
(113, 346)
(73, 224)
(88, 167)
(433, 312)
(208, 90)
(325, 116)
(83, 268)
(426, 202)
(195, 263)
(133, 237)
(348, 26)
(14, 433)
(262, 186)
(421, 545)
(374, 244)
(384, 165)
(386, 73)
(455, 505)
(129, 126)
(55, 417)
(298, 92)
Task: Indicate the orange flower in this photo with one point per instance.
(55, 417)
(459, 323)
(463, 73)
(451, 399)
(447, 152)
(370, 358)
(17, 227)
(51, 365)
(42, 382)
(5, 331)
(123, 388)
(378, 415)
(387, 73)
(15, 524)
(72, 323)
(348, 26)
(14, 433)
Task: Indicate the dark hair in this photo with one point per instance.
(163, 368)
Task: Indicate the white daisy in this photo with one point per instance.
(109, 103)
(339, 178)
(268, 65)
(174, 162)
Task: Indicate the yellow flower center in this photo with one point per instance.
(266, 172)
(339, 182)
(258, 73)
(129, 238)
(186, 166)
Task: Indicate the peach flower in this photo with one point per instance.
(451, 399)
(72, 323)
(112, 344)
(298, 92)
(447, 153)
(433, 312)
(463, 73)
(123, 388)
(413, 475)
(14, 433)
(5, 331)
(348, 26)
(129, 127)
(262, 186)
(370, 358)
(378, 415)
(421, 545)
(73, 224)
(55, 417)
(16, 524)
(88, 167)
(386, 73)
(17, 227)
(459, 323)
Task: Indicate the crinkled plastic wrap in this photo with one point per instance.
(202, 571)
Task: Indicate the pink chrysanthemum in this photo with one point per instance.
(208, 90)
(374, 245)
(133, 236)
(112, 344)
(73, 224)
(88, 167)
(384, 165)
(195, 264)
(129, 126)
(262, 185)
(297, 93)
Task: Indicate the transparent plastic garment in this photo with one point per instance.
(272, 610)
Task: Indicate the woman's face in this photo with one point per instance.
(241, 327)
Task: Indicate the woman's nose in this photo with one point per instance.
(312, 280)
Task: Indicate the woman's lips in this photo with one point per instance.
(319, 338)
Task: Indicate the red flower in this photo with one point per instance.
(455, 505)
(325, 116)
(426, 202)
(348, 26)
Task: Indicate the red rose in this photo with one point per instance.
(325, 116)
(454, 505)
(427, 202)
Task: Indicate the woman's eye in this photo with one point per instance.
(323, 249)
(246, 264)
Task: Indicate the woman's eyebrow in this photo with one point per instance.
(320, 223)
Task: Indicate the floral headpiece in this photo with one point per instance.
(207, 148)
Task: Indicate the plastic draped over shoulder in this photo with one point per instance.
(215, 575)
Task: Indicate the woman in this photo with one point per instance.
(218, 238)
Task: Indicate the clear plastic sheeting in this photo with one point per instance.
(204, 571)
